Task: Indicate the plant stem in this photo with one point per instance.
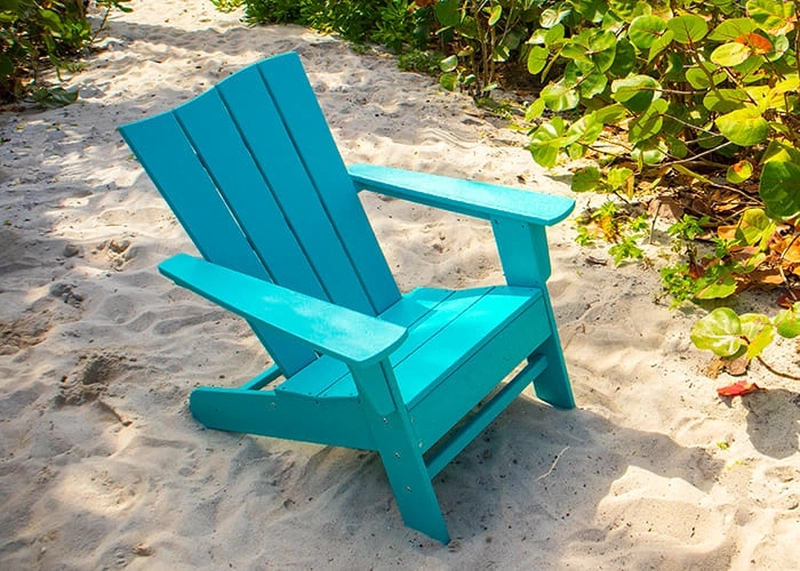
(774, 371)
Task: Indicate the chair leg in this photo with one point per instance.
(410, 481)
(553, 386)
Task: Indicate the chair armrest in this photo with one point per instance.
(466, 197)
(352, 337)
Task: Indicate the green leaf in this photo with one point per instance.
(720, 332)
(644, 30)
(730, 54)
(587, 179)
(559, 97)
(739, 172)
(593, 84)
(537, 59)
(554, 35)
(745, 127)
(602, 41)
(551, 17)
(650, 152)
(624, 59)
(449, 81)
(495, 14)
(661, 43)
(622, 8)
(610, 114)
(534, 110)
(776, 18)
(688, 29)
(586, 130)
(716, 288)
(725, 100)
(758, 331)
(449, 64)
(780, 188)
(51, 19)
(54, 97)
(546, 141)
(698, 76)
(755, 228)
(649, 123)
(787, 322)
(620, 178)
(636, 92)
(731, 29)
(448, 12)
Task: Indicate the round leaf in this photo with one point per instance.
(731, 29)
(537, 59)
(720, 332)
(449, 63)
(745, 127)
(788, 322)
(587, 179)
(776, 18)
(644, 30)
(739, 172)
(559, 97)
(551, 17)
(688, 29)
(730, 54)
(758, 331)
(780, 188)
(755, 228)
(448, 12)
(636, 92)
(449, 81)
(624, 59)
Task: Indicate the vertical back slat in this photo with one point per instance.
(301, 113)
(273, 150)
(216, 140)
(171, 163)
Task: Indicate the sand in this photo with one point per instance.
(102, 466)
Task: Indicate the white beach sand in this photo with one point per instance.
(102, 466)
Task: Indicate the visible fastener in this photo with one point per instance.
(397, 455)
(385, 420)
(272, 404)
(408, 489)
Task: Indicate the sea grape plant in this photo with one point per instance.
(693, 85)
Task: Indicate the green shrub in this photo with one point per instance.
(37, 33)
(397, 24)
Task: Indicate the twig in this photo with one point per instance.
(553, 467)
(773, 371)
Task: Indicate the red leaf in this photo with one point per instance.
(738, 389)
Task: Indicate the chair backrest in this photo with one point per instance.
(253, 174)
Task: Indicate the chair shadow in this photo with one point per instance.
(555, 467)
(773, 419)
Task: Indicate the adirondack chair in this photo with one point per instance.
(253, 174)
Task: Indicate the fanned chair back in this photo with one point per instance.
(270, 195)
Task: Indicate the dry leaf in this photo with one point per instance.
(738, 389)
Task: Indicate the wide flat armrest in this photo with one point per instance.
(353, 337)
(466, 197)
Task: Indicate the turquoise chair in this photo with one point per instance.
(251, 171)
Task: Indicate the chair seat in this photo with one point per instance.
(446, 329)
